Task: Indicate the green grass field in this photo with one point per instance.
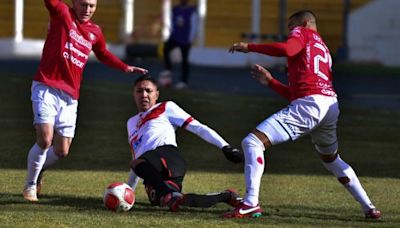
(296, 190)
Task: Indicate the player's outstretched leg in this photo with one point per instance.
(173, 200)
(253, 150)
(346, 175)
(229, 196)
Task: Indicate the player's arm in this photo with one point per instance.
(51, 4)
(178, 117)
(211, 136)
(289, 48)
(265, 78)
(109, 59)
(193, 26)
(56, 8)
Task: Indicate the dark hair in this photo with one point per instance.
(304, 14)
(145, 77)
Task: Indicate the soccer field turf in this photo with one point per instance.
(296, 190)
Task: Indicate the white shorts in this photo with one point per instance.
(316, 115)
(54, 106)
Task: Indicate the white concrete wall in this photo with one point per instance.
(29, 48)
(374, 33)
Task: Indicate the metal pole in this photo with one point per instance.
(345, 44)
(19, 20)
(128, 18)
(282, 19)
(202, 17)
(255, 20)
(166, 18)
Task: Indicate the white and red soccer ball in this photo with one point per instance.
(119, 197)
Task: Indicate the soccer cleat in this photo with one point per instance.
(373, 213)
(29, 194)
(172, 200)
(234, 198)
(39, 183)
(244, 211)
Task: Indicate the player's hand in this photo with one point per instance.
(232, 154)
(131, 69)
(261, 74)
(240, 47)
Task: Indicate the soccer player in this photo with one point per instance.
(55, 88)
(313, 110)
(155, 156)
(183, 31)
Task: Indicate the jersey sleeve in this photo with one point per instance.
(280, 88)
(105, 56)
(177, 116)
(193, 25)
(56, 7)
(206, 133)
(289, 48)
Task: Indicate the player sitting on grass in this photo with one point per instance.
(155, 156)
(313, 110)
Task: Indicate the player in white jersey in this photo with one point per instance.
(155, 155)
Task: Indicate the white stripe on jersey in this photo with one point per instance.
(155, 127)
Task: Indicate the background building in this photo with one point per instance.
(350, 27)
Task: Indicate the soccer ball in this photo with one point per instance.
(164, 79)
(119, 197)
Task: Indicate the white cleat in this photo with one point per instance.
(29, 194)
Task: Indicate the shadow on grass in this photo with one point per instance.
(276, 214)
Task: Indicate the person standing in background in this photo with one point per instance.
(183, 30)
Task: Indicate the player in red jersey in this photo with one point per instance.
(55, 89)
(155, 155)
(313, 110)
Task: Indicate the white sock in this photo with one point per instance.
(340, 168)
(36, 159)
(51, 158)
(253, 150)
(133, 180)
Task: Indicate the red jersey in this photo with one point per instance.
(67, 48)
(309, 64)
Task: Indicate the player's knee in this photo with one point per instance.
(328, 158)
(136, 162)
(61, 152)
(344, 180)
(252, 140)
(44, 142)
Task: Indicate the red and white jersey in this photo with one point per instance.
(310, 70)
(67, 48)
(309, 64)
(156, 127)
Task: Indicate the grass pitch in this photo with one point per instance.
(296, 190)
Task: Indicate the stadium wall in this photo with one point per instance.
(374, 33)
(369, 39)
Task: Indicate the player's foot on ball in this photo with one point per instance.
(29, 194)
(373, 214)
(173, 200)
(39, 183)
(244, 211)
(234, 197)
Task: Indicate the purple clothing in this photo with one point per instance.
(181, 24)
